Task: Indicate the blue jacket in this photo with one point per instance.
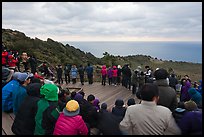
(18, 96)
(74, 72)
(89, 70)
(7, 91)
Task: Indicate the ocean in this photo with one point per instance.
(175, 51)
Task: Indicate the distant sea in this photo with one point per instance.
(175, 51)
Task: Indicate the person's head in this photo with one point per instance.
(72, 108)
(91, 98)
(73, 94)
(119, 103)
(24, 78)
(78, 97)
(186, 77)
(173, 75)
(131, 101)
(33, 89)
(104, 106)
(149, 92)
(7, 74)
(190, 105)
(49, 92)
(161, 74)
(82, 93)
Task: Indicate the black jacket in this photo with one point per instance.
(24, 122)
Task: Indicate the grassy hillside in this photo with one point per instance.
(56, 53)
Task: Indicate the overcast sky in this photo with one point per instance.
(106, 21)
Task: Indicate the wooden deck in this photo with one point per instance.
(107, 94)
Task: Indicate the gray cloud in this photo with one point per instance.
(172, 20)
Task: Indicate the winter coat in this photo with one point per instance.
(4, 54)
(11, 61)
(18, 96)
(24, 122)
(119, 112)
(7, 91)
(115, 72)
(191, 123)
(74, 72)
(67, 125)
(195, 96)
(110, 73)
(184, 92)
(81, 71)
(103, 71)
(47, 110)
(89, 70)
(108, 124)
(167, 95)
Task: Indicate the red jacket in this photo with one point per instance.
(66, 125)
(115, 72)
(4, 54)
(12, 62)
(103, 70)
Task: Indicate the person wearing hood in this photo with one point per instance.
(115, 74)
(104, 74)
(196, 97)
(47, 110)
(70, 122)
(24, 122)
(167, 95)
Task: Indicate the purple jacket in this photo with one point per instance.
(110, 73)
(185, 96)
(191, 123)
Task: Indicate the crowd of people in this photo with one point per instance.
(43, 107)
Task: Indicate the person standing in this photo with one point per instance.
(104, 74)
(81, 74)
(115, 74)
(74, 72)
(59, 74)
(89, 71)
(110, 76)
(66, 73)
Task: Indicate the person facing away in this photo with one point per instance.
(115, 75)
(173, 81)
(70, 122)
(148, 118)
(24, 122)
(74, 73)
(47, 110)
(59, 74)
(110, 76)
(191, 121)
(81, 74)
(89, 71)
(20, 93)
(104, 74)
(67, 70)
(196, 97)
(119, 110)
(108, 124)
(167, 95)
